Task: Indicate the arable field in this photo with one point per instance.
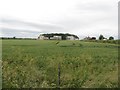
(40, 63)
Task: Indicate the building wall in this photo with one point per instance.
(41, 37)
(70, 38)
(58, 37)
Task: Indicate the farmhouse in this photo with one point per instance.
(105, 39)
(71, 38)
(90, 38)
(58, 36)
(41, 37)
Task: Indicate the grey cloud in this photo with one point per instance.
(8, 30)
(97, 6)
(93, 7)
(19, 33)
(34, 25)
(90, 18)
(27, 32)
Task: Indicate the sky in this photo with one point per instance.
(30, 18)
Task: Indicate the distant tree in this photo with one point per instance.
(14, 37)
(111, 38)
(60, 34)
(93, 38)
(101, 37)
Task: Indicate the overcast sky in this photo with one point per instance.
(29, 18)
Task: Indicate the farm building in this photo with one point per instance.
(90, 38)
(41, 37)
(71, 38)
(105, 39)
(57, 36)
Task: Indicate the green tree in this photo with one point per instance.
(14, 37)
(111, 38)
(101, 37)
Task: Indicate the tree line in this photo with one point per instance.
(14, 38)
(60, 34)
(101, 37)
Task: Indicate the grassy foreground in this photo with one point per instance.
(34, 63)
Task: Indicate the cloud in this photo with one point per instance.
(9, 32)
(92, 18)
(42, 26)
(14, 27)
(80, 17)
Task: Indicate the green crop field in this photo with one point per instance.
(34, 63)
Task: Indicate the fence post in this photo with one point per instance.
(59, 76)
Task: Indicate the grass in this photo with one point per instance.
(34, 63)
(0, 64)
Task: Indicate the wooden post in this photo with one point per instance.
(59, 76)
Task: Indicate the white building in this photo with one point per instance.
(71, 38)
(41, 37)
(105, 39)
(57, 37)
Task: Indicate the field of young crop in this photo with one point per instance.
(34, 63)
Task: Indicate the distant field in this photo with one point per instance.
(34, 63)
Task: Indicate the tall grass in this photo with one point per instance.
(104, 41)
(0, 64)
(34, 63)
